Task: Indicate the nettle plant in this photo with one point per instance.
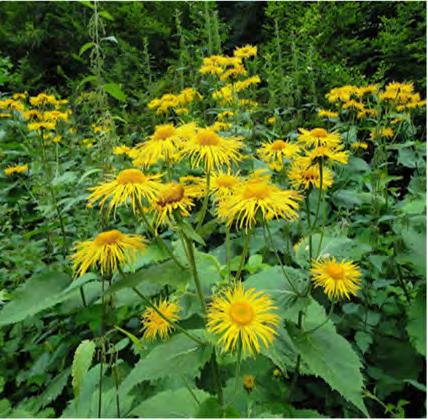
(216, 259)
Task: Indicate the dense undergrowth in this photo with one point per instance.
(235, 241)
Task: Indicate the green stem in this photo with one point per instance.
(216, 375)
(174, 324)
(102, 338)
(298, 360)
(82, 295)
(319, 195)
(247, 238)
(228, 252)
(308, 217)
(204, 209)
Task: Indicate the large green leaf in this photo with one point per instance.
(114, 90)
(42, 291)
(329, 355)
(178, 403)
(81, 363)
(416, 323)
(179, 355)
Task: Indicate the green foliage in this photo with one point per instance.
(81, 363)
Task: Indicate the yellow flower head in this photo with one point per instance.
(249, 381)
(107, 251)
(16, 169)
(225, 115)
(42, 99)
(11, 105)
(342, 93)
(304, 175)
(274, 153)
(211, 150)
(338, 279)
(130, 184)
(329, 154)
(359, 145)
(328, 114)
(257, 196)
(387, 132)
(121, 150)
(155, 325)
(318, 137)
(174, 197)
(245, 84)
(243, 317)
(271, 120)
(20, 96)
(245, 52)
(223, 183)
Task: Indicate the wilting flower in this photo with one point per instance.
(16, 169)
(249, 381)
(243, 317)
(318, 137)
(303, 174)
(338, 279)
(274, 153)
(174, 197)
(211, 150)
(130, 184)
(155, 325)
(107, 251)
(257, 196)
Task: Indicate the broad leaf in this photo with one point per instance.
(81, 363)
(416, 323)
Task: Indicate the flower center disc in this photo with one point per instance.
(163, 132)
(335, 271)
(130, 176)
(278, 145)
(241, 313)
(319, 132)
(174, 194)
(207, 138)
(108, 238)
(256, 191)
(226, 181)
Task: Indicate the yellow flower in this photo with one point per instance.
(243, 317)
(359, 145)
(257, 196)
(225, 115)
(304, 175)
(130, 184)
(338, 279)
(274, 153)
(36, 126)
(318, 137)
(57, 139)
(271, 120)
(381, 132)
(223, 183)
(174, 197)
(19, 96)
(206, 147)
(328, 154)
(249, 381)
(121, 150)
(245, 52)
(220, 126)
(327, 114)
(31, 114)
(244, 84)
(43, 99)
(11, 105)
(17, 169)
(277, 373)
(155, 325)
(353, 104)
(342, 93)
(107, 251)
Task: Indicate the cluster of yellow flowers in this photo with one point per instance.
(367, 101)
(178, 103)
(16, 169)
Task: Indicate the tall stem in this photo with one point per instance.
(228, 252)
(308, 217)
(247, 238)
(205, 203)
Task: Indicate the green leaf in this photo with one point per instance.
(55, 388)
(179, 355)
(132, 337)
(114, 90)
(81, 363)
(86, 47)
(106, 15)
(178, 403)
(330, 356)
(42, 291)
(416, 323)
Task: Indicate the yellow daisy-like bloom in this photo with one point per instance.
(16, 169)
(223, 183)
(274, 153)
(338, 279)
(174, 197)
(121, 150)
(107, 251)
(249, 382)
(327, 114)
(328, 154)
(245, 52)
(271, 120)
(243, 316)
(154, 325)
(162, 145)
(382, 132)
(359, 145)
(318, 137)
(304, 175)
(257, 196)
(211, 150)
(129, 184)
